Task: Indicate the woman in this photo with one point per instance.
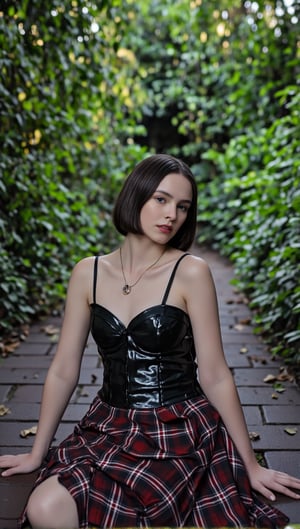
(156, 447)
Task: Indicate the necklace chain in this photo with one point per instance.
(127, 288)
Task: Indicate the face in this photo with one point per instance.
(166, 211)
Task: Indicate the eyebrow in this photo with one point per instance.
(171, 196)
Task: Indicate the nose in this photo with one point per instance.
(171, 211)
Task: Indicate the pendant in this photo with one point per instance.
(126, 290)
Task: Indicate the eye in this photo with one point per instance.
(161, 200)
(183, 207)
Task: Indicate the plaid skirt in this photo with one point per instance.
(169, 466)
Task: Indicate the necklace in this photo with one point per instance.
(127, 288)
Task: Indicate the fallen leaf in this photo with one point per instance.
(93, 378)
(260, 359)
(28, 431)
(245, 321)
(284, 375)
(291, 431)
(229, 301)
(4, 410)
(242, 300)
(243, 350)
(10, 347)
(274, 396)
(254, 436)
(50, 330)
(238, 327)
(270, 378)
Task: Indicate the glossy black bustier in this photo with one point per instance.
(149, 363)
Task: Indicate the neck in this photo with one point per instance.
(138, 252)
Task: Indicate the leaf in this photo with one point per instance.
(243, 350)
(50, 330)
(270, 378)
(28, 431)
(245, 321)
(254, 436)
(256, 358)
(274, 396)
(238, 327)
(284, 375)
(279, 389)
(291, 431)
(4, 410)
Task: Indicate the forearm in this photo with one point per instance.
(224, 397)
(56, 395)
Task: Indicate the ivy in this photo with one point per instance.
(61, 157)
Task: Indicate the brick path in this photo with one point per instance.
(22, 375)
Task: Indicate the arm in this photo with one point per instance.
(216, 379)
(63, 373)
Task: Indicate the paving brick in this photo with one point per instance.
(37, 376)
(85, 394)
(14, 492)
(43, 361)
(286, 462)
(24, 375)
(239, 338)
(263, 395)
(92, 376)
(255, 376)
(282, 414)
(30, 412)
(235, 361)
(4, 450)
(27, 348)
(27, 361)
(253, 415)
(40, 339)
(27, 393)
(10, 434)
(263, 358)
(4, 391)
(20, 412)
(275, 438)
(37, 327)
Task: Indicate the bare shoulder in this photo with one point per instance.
(83, 268)
(194, 268)
(85, 264)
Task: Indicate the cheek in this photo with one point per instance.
(146, 214)
(147, 210)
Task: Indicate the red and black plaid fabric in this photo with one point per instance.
(168, 466)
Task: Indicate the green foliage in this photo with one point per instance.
(62, 96)
(258, 221)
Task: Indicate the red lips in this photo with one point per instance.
(165, 228)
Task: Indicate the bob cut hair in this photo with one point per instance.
(139, 187)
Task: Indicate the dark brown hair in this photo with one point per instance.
(140, 185)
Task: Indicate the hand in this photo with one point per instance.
(18, 464)
(266, 481)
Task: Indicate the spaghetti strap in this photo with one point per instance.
(171, 279)
(95, 278)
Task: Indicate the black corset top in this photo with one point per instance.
(150, 362)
